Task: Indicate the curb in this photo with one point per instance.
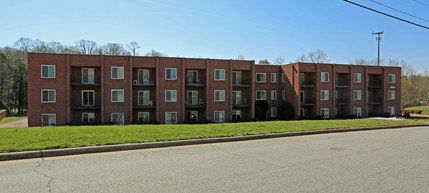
(121, 147)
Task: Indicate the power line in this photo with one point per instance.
(421, 3)
(387, 14)
(399, 11)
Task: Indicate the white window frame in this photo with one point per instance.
(49, 114)
(283, 94)
(138, 99)
(120, 113)
(41, 71)
(273, 111)
(170, 101)
(327, 95)
(273, 95)
(357, 111)
(192, 101)
(355, 78)
(234, 113)
(322, 77)
(238, 77)
(119, 77)
(283, 77)
(219, 121)
(391, 94)
(141, 114)
(327, 112)
(394, 78)
(49, 101)
(188, 72)
(93, 98)
(261, 81)
(169, 122)
(389, 109)
(93, 78)
(117, 90)
(357, 97)
(220, 72)
(88, 113)
(238, 97)
(175, 77)
(273, 77)
(142, 72)
(220, 99)
(265, 95)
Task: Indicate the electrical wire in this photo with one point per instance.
(421, 3)
(387, 14)
(399, 11)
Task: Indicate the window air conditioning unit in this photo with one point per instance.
(135, 81)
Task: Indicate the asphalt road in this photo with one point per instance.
(16, 123)
(395, 160)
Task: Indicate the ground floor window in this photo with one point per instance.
(391, 110)
(236, 115)
(273, 111)
(324, 112)
(118, 118)
(357, 111)
(143, 117)
(49, 119)
(219, 116)
(302, 112)
(170, 117)
(192, 115)
(88, 118)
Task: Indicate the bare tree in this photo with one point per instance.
(133, 46)
(302, 58)
(240, 57)
(318, 56)
(155, 53)
(114, 49)
(86, 46)
(24, 44)
(55, 47)
(279, 60)
(265, 61)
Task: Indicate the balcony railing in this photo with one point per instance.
(308, 101)
(144, 82)
(149, 105)
(374, 83)
(374, 100)
(307, 83)
(85, 84)
(241, 83)
(79, 107)
(342, 101)
(341, 83)
(189, 103)
(244, 102)
(194, 82)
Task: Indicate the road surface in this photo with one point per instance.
(395, 160)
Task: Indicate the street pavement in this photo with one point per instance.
(394, 160)
(16, 123)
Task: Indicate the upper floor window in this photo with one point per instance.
(143, 76)
(357, 95)
(143, 97)
(325, 76)
(117, 95)
(261, 77)
(273, 95)
(219, 95)
(170, 74)
(261, 95)
(283, 94)
(273, 77)
(236, 77)
(48, 71)
(88, 98)
(283, 78)
(87, 75)
(391, 95)
(357, 77)
(48, 96)
(391, 78)
(117, 72)
(324, 95)
(219, 74)
(170, 95)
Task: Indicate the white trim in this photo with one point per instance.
(41, 71)
(219, 74)
(388, 94)
(284, 77)
(93, 98)
(394, 78)
(214, 116)
(220, 100)
(275, 95)
(165, 96)
(55, 96)
(117, 67)
(111, 95)
(265, 95)
(54, 114)
(275, 77)
(88, 116)
(142, 71)
(175, 78)
(192, 94)
(354, 95)
(321, 77)
(327, 110)
(120, 113)
(81, 73)
(327, 95)
(173, 112)
(273, 114)
(283, 94)
(354, 77)
(265, 75)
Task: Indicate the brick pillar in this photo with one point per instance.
(228, 95)
(253, 90)
(102, 88)
(157, 111)
(334, 82)
(207, 90)
(130, 79)
(68, 111)
(183, 93)
(365, 90)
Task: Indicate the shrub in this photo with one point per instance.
(196, 122)
(286, 111)
(385, 114)
(311, 117)
(245, 119)
(346, 116)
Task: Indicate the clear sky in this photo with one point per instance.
(257, 29)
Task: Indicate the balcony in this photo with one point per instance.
(85, 107)
(85, 84)
(307, 83)
(374, 84)
(195, 104)
(307, 101)
(342, 83)
(342, 101)
(374, 100)
(240, 103)
(150, 105)
(195, 82)
(241, 83)
(143, 82)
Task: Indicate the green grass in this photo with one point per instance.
(38, 138)
(425, 109)
(7, 119)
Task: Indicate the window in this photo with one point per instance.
(391, 95)
(302, 112)
(170, 74)
(236, 78)
(192, 77)
(143, 117)
(143, 97)
(273, 77)
(117, 95)
(283, 77)
(170, 117)
(88, 118)
(357, 111)
(391, 110)
(219, 95)
(273, 95)
(302, 77)
(237, 98)
(88, 98)
(260, 78)
(324, 112)
(283, 95)
(357, 95)
(49, 119)
(87, 75)
(219, 74)
(143, 76)
(325, 77)
(301, 99)
(48, 96)
(260, 95)
(219, 116)
(236, 115)
(192, 98)
(273, 111)
(391, 78)
(324, 95)
(170, 95)
(193, 115)
(117, 72)
(48, 71)
(118, 118)
(358, 78)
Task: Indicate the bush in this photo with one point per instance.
(311, 117)
(346, 116)
(385, 114)
(147, 123)
(196, 122)
(286, 111)
(245, 119)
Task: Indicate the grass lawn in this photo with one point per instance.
(425, 109)
(7, 119)
(38, 138)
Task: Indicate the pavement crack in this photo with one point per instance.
(39, 165)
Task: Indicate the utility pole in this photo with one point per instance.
(378, 38)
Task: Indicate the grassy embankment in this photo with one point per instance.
(425, 109)
(38, 138)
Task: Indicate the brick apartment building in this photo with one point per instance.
(85, 89)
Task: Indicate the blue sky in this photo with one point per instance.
(227, 28)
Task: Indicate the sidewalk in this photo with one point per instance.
(15, 123)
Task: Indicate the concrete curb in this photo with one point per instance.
(121, 147)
